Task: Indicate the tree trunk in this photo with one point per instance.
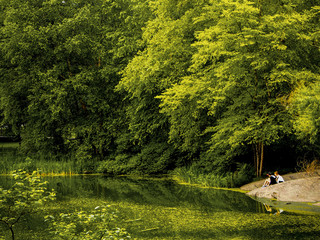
(261, 158)
(258, 158)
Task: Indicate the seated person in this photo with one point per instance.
(273, 179)
(270, 180)
(278, 177)
(266, 183)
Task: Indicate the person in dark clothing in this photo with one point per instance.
(273, 179)
(270, 180)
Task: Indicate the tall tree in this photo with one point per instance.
(304, 100)
(165, 59)
(60, 62)
(245, 66)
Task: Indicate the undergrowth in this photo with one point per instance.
(193, 175)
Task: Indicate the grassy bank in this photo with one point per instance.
(193, 175)
(12, 159)
(48, 166)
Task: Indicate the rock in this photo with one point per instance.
(287, 177)
(306, 189)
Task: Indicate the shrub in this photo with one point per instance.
(308, 167)
(121, 164)
(23, 198)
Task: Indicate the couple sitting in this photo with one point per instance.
(273, 179)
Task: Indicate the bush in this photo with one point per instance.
(23, 198)
(121, 164)
(154, 158)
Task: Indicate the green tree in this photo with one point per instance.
(22, 199)
(245, 66)
(304, 100)
(165, 59)
(59, 66)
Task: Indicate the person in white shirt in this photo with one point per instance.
(278, 177)
(266, 183)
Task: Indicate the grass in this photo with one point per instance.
(10, 145)
(193, 175)
(11, 159)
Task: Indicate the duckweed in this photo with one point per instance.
(152, 209)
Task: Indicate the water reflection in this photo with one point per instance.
(151, 192)
(274, 211)
(162, 192)
(276, 207)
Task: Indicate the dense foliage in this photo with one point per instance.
(150, 85)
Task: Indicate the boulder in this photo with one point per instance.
(286, 177)
(305, 189)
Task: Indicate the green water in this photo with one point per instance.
(162, 209)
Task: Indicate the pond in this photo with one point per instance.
(159, 208)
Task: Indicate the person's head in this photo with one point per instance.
(269, 174)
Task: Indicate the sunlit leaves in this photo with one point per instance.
(247, 61)
(304, 104)
(24, 197)
(166, 58)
